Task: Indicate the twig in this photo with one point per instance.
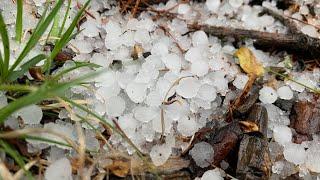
(297, 43)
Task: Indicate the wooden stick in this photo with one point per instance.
(297, 43)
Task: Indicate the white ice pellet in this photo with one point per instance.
(213, 5)
(153, 99)
(142, 36)
(115, 106)
(104, 93)
(160, 153)
(285, 92)
(202, 153)
(187, 126)
(127, 122)
(136, 91)
(207, 92)
(200, 38)
(282, 134)
(240, 81)
(183, 8)
(113, 28)
(267, 95)
(220, 82)
(106, 79)
(157, 123)
(159, 48)
(193, 54)
(90, 28)
(199, 68)
(145, 114)
(100, 59)
(172, 62)
(235, 3)
(146, 24)
(277, 167)
(313, 157)
(39, 2)
(60, 169)
(188, 87)
(310, 31)
(82, 46)
(294, 153)
(31, 114)
(304, 10)
(214, 174)
(3, 100)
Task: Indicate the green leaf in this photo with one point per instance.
(6, 45)
(26, 66)
(35, 37)
(65, 37)
(19, 20)
(15, 155)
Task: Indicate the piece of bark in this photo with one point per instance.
(299, 138)
(297, 43)
(248, 101)
(259, 116)
(253, 159)
(305, 117)
(224, 140)
(291, 25)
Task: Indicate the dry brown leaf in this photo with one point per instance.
(248, 62)
(249, 126)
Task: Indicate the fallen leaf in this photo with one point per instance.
(248, 126)
(248, 62)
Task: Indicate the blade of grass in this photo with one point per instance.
(6, 46)
(19, 20)
(65, 18)
(15, 155)
(41, 139)
(115, 129)
(55, 28)
(313, 89)
(19, 174)
(1, 68)
(65, 38)
(17, 87)
(25, 67)
(47, 90)
(41, 28)
(78, 65)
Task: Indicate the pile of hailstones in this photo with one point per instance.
(193, 69)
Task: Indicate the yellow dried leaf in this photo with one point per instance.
(248, 62)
